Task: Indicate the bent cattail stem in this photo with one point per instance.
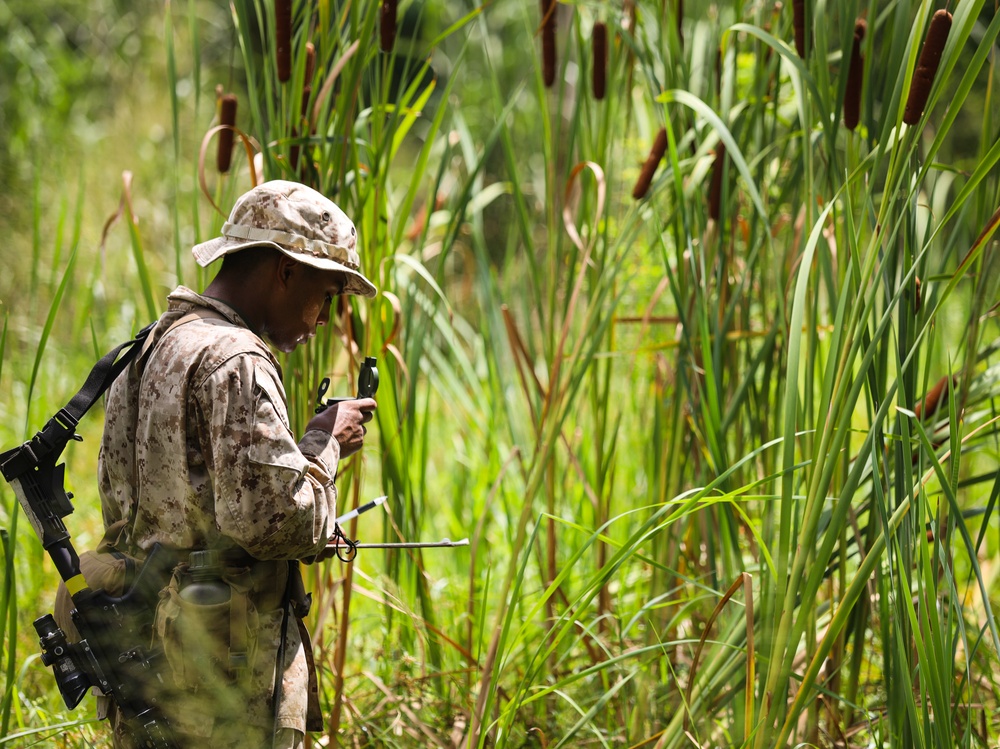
(600, 41)
(799, 26)
(649, 168)
(855, 78)
(227, 116)
(715, 188)
(283, 38)
(927, 65)
(310, 62)
(387, 26)
(549, 42)
(936, 397)
(293, 154)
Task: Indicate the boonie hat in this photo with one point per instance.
(297, 220)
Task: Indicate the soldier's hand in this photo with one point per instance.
(346, 421)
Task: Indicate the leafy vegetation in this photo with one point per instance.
(724, 440)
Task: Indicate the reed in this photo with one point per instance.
(387, 25)
(227, 119)
(650, 165)
(855, 77)
(715, 186)
(599, 40)
(927, 66)
(548, 30)
(283, 39)
(799, 27)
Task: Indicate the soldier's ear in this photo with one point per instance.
(285, 268)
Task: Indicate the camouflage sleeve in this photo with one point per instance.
(274, 497)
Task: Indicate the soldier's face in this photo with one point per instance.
(303, 306)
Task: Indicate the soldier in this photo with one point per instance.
(198, 455)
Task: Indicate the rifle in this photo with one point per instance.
(110, 654)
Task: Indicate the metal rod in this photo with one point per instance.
(444, 543)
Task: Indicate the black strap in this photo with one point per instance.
(50, 441)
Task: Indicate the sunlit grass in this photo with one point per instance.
(702, 506)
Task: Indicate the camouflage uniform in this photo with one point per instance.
(198, 454)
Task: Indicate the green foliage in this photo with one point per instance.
(707, 498)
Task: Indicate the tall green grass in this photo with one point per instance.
(707, 501)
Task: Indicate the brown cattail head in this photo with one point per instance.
(600, 41)
(283, 38)
(715, 188)
(310, 62)
(855, 78)
(227, 116)
(649, 168)
(387, 26)
(936, 397)
(916, 294)
(927, 65)
(680, 22)
(799, 26)
(549, 42)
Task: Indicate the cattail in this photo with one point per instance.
(283, 38)
(649, 168)
(936, 397)
(855, 76)
(718, 71)
(600, 40)
(549, 42)
(680, 22)
(799, 26)
(310, 62)
(927, 65)
(387, 27)
(916, 294)
(715, 188)
(227, 116)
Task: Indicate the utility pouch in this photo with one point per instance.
(208, 628)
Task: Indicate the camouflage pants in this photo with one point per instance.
(227, 735)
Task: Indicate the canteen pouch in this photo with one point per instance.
(208, 646)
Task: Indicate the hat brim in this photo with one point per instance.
(210, 251)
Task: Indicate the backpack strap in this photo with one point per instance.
(49, 442)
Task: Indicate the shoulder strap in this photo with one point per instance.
(50, 441)
(202, 313)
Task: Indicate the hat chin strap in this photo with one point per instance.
(315, 247)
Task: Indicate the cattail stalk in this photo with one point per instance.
(927, 65)
(715, 187)
(387, 26)
(649, 168)
(549, 42)
(680, 22)
(227, 116)
(283, 38)
(799, 26)
(855, 78)
(310, 62)
(600, 42)
(936, 397)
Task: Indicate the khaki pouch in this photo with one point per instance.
(208, 646)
